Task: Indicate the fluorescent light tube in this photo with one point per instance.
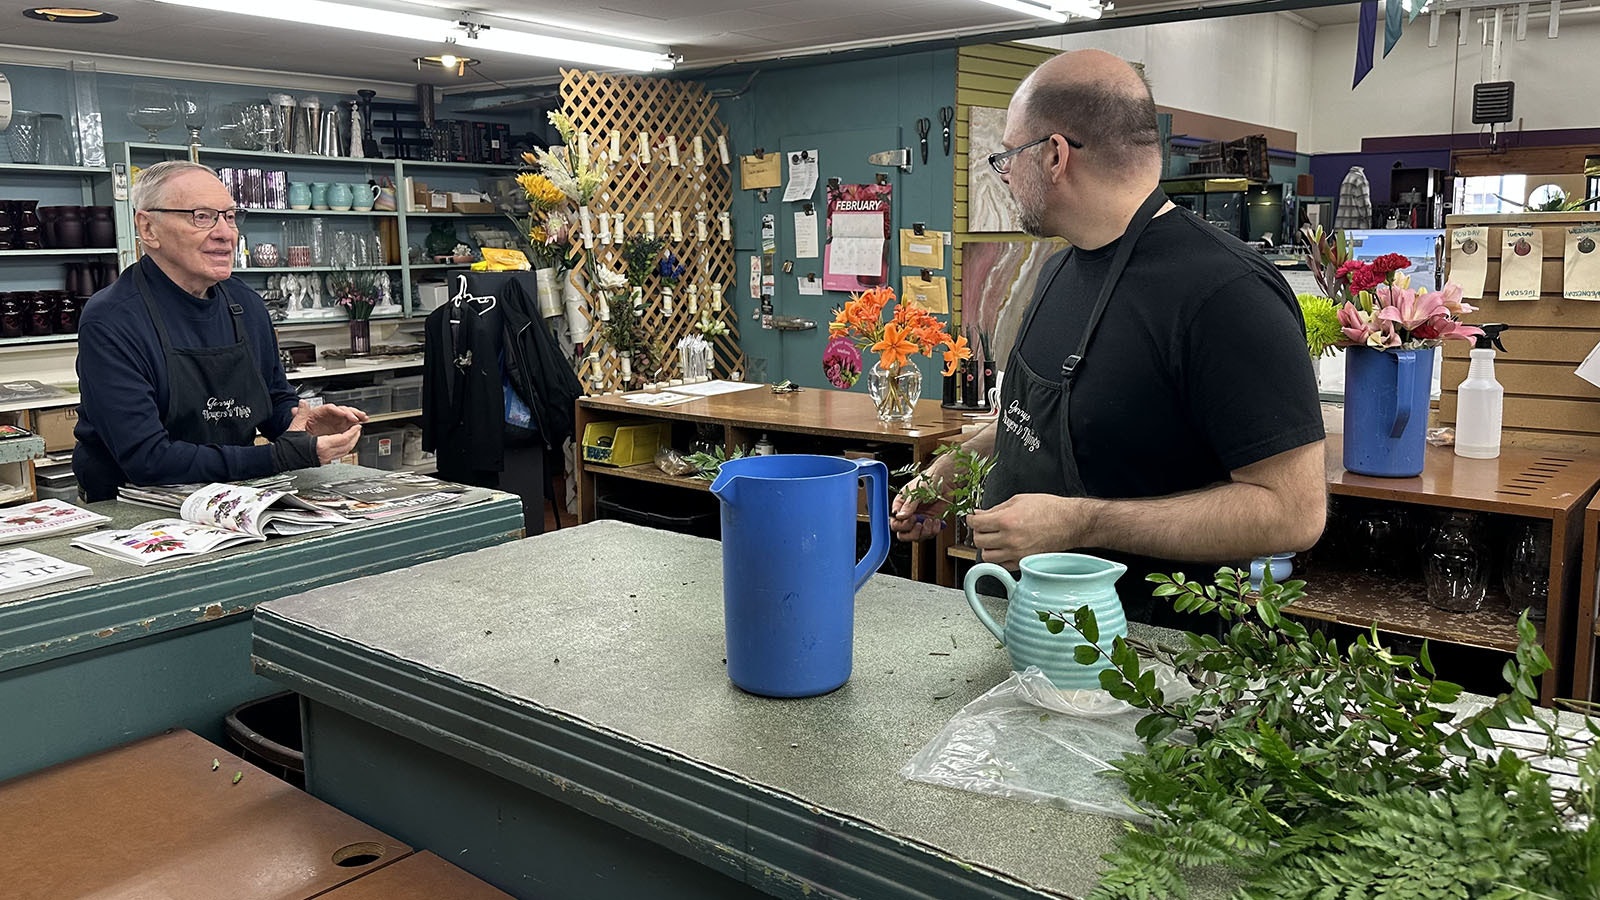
(1083, 9)
(435, 31)
(551, 47)
(1032, 9)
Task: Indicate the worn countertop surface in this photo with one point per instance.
(619, 629)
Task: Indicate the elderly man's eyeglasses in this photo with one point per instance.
(1001, 162)
(206, 218)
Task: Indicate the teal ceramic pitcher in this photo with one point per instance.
(1058, 583)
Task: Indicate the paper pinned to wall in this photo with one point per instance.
(855, 255)
(1581, 272)
(810, 286)
(921, 251)
(802, 175)
(932, 294)
(1469, 259)
(805, 235)
(757, 172)
(1521, 264)
(857, 244)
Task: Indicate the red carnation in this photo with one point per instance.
(1390, 262)
(1365, 278)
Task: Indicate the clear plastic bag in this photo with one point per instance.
(672, 462)
(1026, 740)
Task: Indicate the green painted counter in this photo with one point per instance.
(553, 715)
(99, 661)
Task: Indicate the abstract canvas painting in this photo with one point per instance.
(997, 284)
(989, 204)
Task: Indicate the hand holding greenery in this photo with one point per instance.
(1300, 770)
(966, 484)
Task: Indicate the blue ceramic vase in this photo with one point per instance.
(1056, 583)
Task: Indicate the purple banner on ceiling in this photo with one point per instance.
(1366, 36)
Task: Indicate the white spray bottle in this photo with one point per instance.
(1480, 400)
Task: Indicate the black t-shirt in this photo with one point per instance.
(1198, 366)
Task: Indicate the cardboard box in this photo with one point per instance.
(416, 193)
(470, 202)
(438, 201)
(55, 426)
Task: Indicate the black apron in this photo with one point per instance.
(1033, 441)
(215, 395)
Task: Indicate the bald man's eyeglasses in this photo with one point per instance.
(1001, 162)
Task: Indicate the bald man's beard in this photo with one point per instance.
(1030, 210)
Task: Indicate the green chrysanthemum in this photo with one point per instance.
(1322, 324)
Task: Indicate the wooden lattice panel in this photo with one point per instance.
(599, 104)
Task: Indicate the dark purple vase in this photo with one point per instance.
(101, 226)
(67, 309)
(105, 272)
(14, 314)
(69, 228)
(6, 218)
(42, 314)
(48, 216)
(26, 234)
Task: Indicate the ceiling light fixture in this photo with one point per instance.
(1032, 9)
(1083, 9)
(447, 61)
(433, 30)
(69, 14)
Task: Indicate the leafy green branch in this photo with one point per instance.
(1299, 769)
(965, 489)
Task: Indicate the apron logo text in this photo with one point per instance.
(1016, 421)
(218, 409)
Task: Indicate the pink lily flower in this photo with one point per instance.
(1450, 297)
(1354, 323)
(1408, 309)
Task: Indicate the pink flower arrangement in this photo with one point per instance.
(1385, 313)
(1377, 306)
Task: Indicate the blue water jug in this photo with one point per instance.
(789, 568)
(1386, 410)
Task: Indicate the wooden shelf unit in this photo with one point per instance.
(1532, 484)
(746, 415)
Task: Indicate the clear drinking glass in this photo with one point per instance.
(193, 102)
(23, 136)
(154, 108)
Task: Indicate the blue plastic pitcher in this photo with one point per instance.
(789, 569)
(1386, 410)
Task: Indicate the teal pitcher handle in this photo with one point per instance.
(970, 586)
(877, 476)
(1405, 384)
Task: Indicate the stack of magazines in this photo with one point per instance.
(210, 518)
(383, 497)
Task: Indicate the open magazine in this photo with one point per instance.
(383, 496)
(213, 517)
(42, 518)
(21, 568)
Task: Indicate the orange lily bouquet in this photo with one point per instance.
(910, 330)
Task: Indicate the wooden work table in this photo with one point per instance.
(803, 421)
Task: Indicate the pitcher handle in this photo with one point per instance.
(1405, 383)
(970, 586)
(877, 476)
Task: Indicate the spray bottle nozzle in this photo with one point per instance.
(1491, 335)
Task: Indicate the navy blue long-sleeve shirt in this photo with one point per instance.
(122, 375)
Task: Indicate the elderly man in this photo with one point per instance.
(177, 362)
(1159, 405)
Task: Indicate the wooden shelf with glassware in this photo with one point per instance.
(808, 421)
(1521, 487)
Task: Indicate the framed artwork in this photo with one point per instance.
(989, 204)
(997, 284)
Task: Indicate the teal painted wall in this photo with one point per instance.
(865, 97)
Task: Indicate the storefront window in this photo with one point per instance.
(1491, 194)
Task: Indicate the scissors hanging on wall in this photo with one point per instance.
(922, 130)
(947, 115)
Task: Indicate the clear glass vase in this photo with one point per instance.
(1456, 569)
(1527, 568)
(895, 391)
(360, 337)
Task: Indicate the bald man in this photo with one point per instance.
(1159, 405)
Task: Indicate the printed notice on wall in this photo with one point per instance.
(805, 235)
(1469, 259)
(802, 175)
(810, 286)
(1581, 272)
(855, 257)
(921, 251)
(1521, 264)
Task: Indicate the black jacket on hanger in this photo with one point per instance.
(463, 400)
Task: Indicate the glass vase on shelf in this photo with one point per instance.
(895, 391)
(1455, 568)
(360, 337)
(1527, 568)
